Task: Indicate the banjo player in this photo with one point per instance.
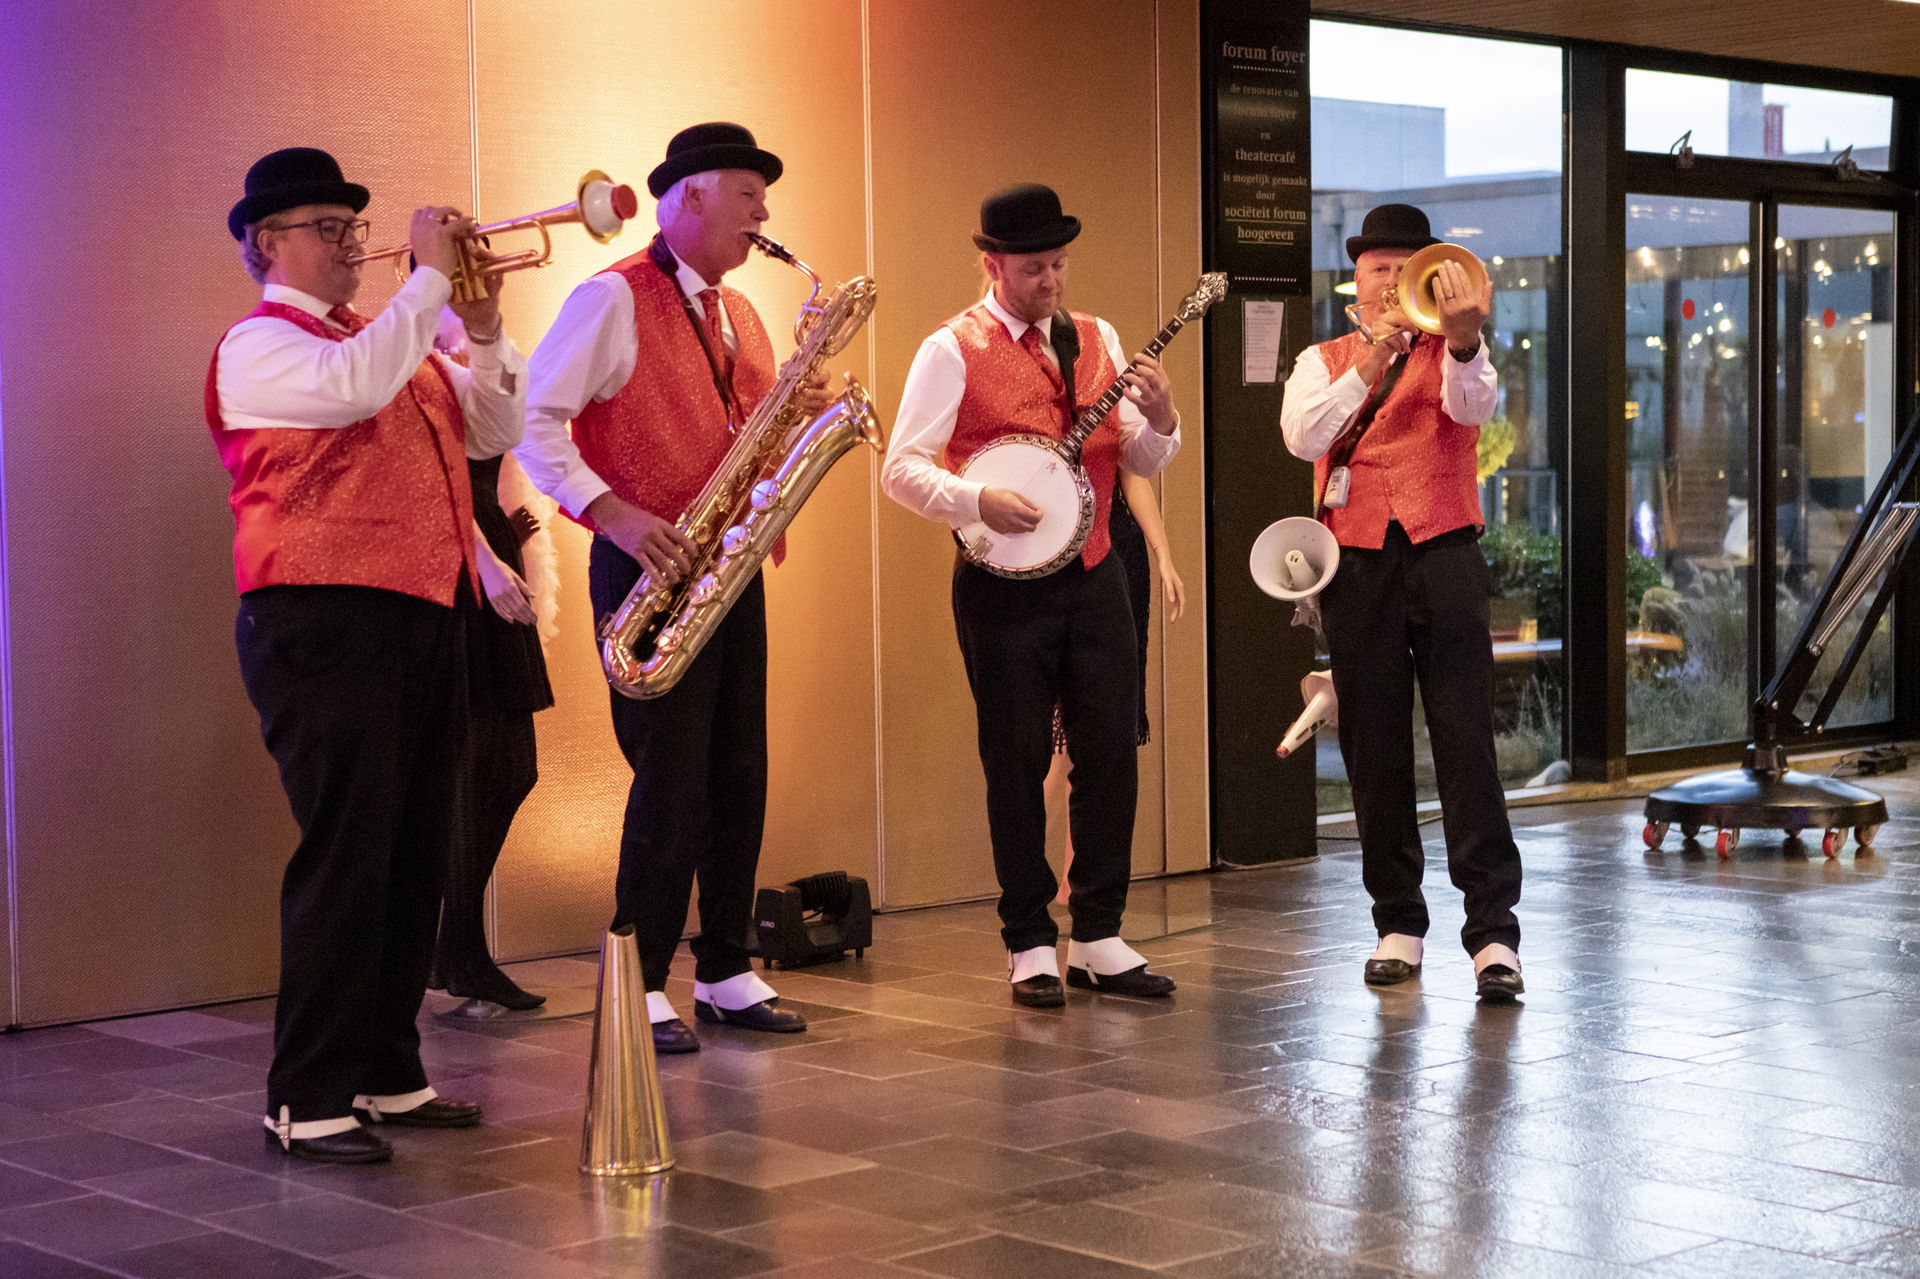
(1008, 366)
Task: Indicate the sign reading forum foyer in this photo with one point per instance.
(1260, 195)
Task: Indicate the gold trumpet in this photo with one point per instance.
(1410, 301)
(600, 206)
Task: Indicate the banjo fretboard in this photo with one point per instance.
(1212, 286)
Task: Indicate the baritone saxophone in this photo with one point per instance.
(778, 458)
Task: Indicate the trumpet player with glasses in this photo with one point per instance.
(657, 365)
(347, 441)
(1390, 416)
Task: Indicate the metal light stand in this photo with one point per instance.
(1763, 791)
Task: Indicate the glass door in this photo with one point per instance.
(1749, 460)
(1835, 375)
(1690, 287)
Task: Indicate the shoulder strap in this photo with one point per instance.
(1065, 337)
(1343, 448)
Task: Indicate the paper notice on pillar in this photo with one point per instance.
(1260, 328)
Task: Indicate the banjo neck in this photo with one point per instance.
(1094, 414)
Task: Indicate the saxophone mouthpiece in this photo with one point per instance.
(772, 248)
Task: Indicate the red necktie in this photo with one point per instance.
(716, 341)
(351, 321)
(1031, 340)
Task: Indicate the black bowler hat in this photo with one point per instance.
(1392, 226)
(288, 179)
(718, 145)
(1024, 219)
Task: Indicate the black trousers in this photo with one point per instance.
(360, 699)
(1393, 615)
(1067, 638)
(698, 802)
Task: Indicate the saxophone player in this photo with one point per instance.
(656, 365)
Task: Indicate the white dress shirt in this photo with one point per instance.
(586, 357)
(1317, 407)
(274, 374)
(930, 405)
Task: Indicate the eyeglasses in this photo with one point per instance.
(334, 230)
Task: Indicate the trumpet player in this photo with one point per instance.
(656, 365)
(1391, 426)
(348, 444)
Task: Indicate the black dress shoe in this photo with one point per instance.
(1499, 983)
(496, 988)
(1043, 991)
(354, 1146)
(1390, 972)
(1135, 981)
(760, 1016)
(674, 1036)
(437, 1113)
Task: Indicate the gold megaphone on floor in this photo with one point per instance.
(625, 1132)
(1410, 301)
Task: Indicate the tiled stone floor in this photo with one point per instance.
(1715, 1074)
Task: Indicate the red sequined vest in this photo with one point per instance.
(1009, 393)
(661, 436)
(384, 502)
(1415, 464)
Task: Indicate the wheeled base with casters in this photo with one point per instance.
(1764, 792)
(1744, 798)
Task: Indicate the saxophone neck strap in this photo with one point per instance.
(662, 255)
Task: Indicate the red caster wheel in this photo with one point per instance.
(1832, 842)
(1653, 834)
(1728, 841)
(1864, 837)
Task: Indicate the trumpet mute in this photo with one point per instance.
(605, 206)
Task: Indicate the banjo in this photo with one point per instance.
(1047, 472)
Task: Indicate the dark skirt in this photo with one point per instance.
(507, 671)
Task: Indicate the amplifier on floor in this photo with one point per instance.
(814, 920)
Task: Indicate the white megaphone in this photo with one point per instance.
(1323, 707)
(1293, 558)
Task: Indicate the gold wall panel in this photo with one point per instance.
(946, 131)
(1181, 726)
(563, 88)
(145, 811)
(150, 830)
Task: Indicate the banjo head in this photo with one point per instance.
(1035, 467)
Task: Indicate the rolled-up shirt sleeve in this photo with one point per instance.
(929, 406)
(493, 397)
(1469, 389)
(587, 356)
(275, 374)
(1316, 407)
(1143, 450)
